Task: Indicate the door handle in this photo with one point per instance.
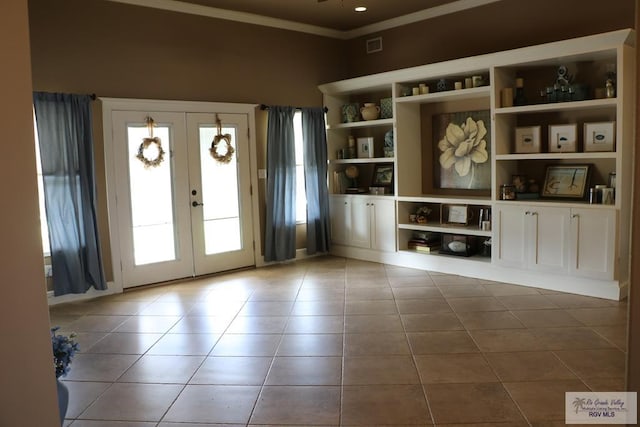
(196, 204)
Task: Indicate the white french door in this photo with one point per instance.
(191, 215)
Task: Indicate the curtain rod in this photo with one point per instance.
(266, 107)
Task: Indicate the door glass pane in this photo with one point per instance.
(152, 215)
(220, 198)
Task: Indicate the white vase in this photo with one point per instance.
(370, 111)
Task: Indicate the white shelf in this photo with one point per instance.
(362, 124)
(469, 200)
(557, 156)
(361, 161)
(470, 230)
(473, 258)
(591, 104)
(449, 95)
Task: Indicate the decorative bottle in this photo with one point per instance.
(520, 98)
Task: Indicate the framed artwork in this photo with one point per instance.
(365, 148)
(458, 214)
(566, 181)
(599, 136)
(527, 140)
(461, 145)
(382, 175)
(563, 138)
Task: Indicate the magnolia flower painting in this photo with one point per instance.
(463, 150)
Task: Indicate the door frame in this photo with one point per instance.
(109, 105)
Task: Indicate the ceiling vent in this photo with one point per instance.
(374, 45)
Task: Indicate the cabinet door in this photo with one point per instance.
(340, 219)
(383, 224)
(360, 223)
(593, 243)
(549, 239)
(509, 241)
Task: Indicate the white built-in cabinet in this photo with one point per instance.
(563, 240)
(363, 222)
(561, 244)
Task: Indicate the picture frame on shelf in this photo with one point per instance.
(458, 214)
(365, 147)
(527, 140)
(471, 171)
(382, 175)
(566, 181)
(599, 137)
(563, 138)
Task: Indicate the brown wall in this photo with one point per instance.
(28, 394)
(495, 27)
(117, 50)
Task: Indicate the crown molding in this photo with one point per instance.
(411, 18)
(251, 18)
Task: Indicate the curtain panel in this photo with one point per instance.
(64, 125)
(280, 233)
(315, 172)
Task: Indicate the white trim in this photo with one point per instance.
(232, 15)
(251, 18)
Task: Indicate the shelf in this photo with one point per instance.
(591, 104)
(361, 161)
(470, 230)
(476, 258)
(450, 95)
(558, 203)
(469, 200)
(558, 156)
(362, 124)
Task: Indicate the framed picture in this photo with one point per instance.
(600, 136)
(382, 175)
(566, 181)
(470, 170)
(563, 138)
(520, 183)
(458, 214)
(365, 148)
(527, 140)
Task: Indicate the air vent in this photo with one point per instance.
(374, 45)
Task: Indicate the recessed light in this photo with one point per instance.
(360, 9)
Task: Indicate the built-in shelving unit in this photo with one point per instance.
(566, 256)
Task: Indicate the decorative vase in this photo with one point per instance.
(370, 111)
(63, 399)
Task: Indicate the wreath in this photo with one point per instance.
(228, 155)
(146, 142)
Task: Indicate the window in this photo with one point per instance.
(44, 229)
(301, 194)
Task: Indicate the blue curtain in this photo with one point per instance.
(315, 178)
(280, 235)
(66, 147)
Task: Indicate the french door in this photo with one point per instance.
(191, 214)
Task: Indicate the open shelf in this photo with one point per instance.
(591, 104)
(449, 95)
(362, 124)
(363, 160)
(470, 230)
(558, 156)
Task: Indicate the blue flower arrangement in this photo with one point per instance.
(64, 348)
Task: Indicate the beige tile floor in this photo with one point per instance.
(335, 342)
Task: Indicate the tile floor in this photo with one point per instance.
(335, 342)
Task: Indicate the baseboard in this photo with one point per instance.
(91, 293)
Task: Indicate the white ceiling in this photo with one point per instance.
(331, 18)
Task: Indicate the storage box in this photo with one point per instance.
(563, 138)
(460, 245)
(599, 136)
